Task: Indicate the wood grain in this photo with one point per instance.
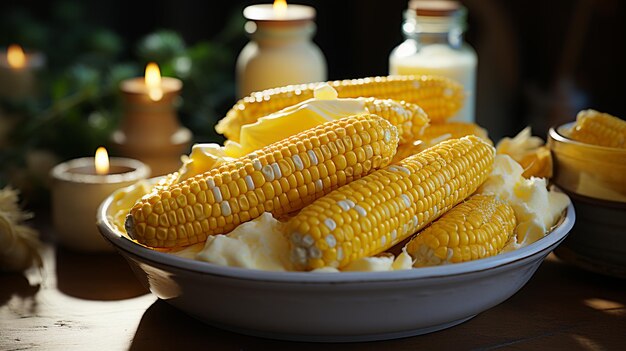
(93, 302)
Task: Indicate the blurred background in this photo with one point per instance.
(539, 63)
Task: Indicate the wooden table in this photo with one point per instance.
(93, 302)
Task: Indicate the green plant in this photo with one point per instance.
(78, 104)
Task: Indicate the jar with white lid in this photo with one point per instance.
(434, 45)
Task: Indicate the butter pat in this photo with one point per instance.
(258, 244)
(536, 208)
(371, 264)
(381, 263)
(261, 244)
(323, 107)
(123, 201)
(325, 92)
(203, 157)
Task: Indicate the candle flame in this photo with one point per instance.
(102, 161)
(280, 7)
(15, 56)
(153, 81)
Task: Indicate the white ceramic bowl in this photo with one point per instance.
(355, 306)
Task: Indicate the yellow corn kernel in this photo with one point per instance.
(267, 186)
(477, 228)
(370, 215)
(597, 128)
(409, 118)
(439, 97)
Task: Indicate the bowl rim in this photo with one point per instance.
(122, 243)
(556, 133)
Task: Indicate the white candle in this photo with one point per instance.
(17, 72)
(279, 11)
(79, 186)
(281, 51)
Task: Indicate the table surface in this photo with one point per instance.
(93, 301)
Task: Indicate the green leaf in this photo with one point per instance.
(162, 46)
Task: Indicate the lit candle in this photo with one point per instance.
(152, 89)
(281, 51)
(279, 11)
(150, 130)
(17, 72)
(79, 186)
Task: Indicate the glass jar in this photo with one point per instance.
(434, 45)
(280, 53)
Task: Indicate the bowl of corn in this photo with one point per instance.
(333, 307)
(343, 179)
(590, 166)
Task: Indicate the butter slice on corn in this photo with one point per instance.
(369, 215)
(410, 119)
(280, 178)
(477, 228)
(439, 97)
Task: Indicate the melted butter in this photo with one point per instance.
(203, 157)
(257, 244)
(323, 107)
(123, 201)
(536, 208)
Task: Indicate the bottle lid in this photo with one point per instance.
(433, 8)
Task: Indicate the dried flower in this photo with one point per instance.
(18, 243)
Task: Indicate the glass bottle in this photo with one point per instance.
(280, 52)
(434, 45)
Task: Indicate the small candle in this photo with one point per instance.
(152, 89)
(150, 130)
(279, 11)
(17, 72)
(79, 186)
(281, 51)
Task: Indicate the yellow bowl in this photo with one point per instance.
(595, 179)
(594, 171)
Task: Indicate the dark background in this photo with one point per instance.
(539, 61)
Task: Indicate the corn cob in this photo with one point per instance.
(409, 118)
(436, 133)
(477, 228)
(378, 211)
(602, 129)
(439, 97)
(280, 178)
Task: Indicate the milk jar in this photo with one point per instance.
(434, 45)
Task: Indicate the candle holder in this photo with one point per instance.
(280, 51)
(77, 191)
(18, 81)
(150, 130)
